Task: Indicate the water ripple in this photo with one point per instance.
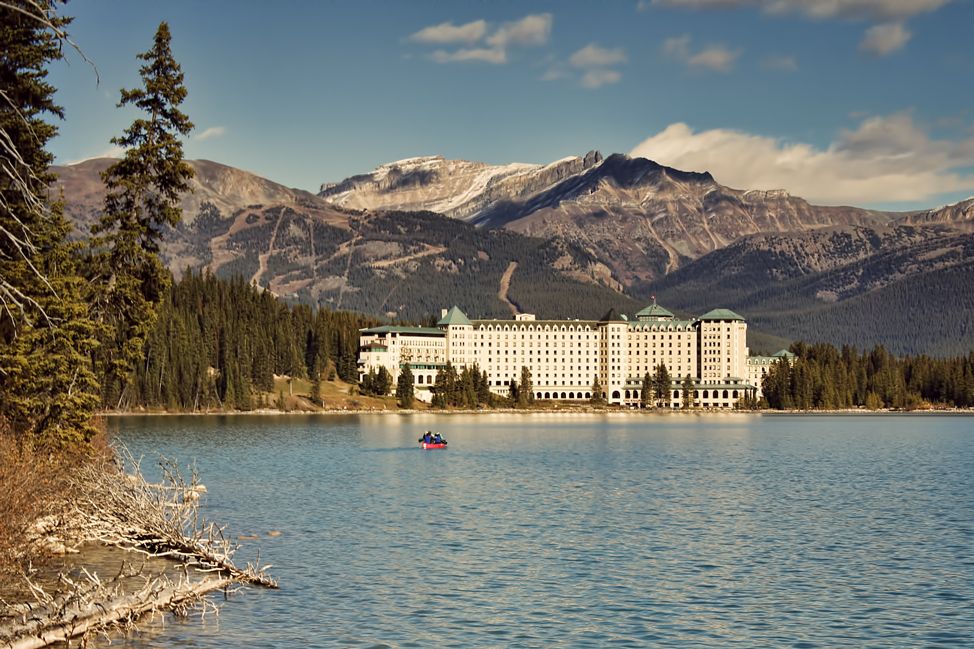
(587, 531)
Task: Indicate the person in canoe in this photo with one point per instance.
(432, 438)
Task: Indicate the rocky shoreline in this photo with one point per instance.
(116, 521)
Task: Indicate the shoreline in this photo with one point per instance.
(539, 411)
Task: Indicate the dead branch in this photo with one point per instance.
(95, 606)
(114, 503)
(162, 519)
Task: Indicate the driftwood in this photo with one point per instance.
(160, 520)
(125, 510)
(94, 606)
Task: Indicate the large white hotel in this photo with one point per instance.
(565, 356)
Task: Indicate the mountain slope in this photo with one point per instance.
(906, 287)
(640, 218)
(397, 264)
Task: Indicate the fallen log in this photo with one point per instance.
(81, 613)
(160, 519)
(117, 506)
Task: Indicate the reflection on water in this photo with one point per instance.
(583, 530)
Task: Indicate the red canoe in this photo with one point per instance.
(429, 445)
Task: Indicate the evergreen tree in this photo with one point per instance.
(663, 386)
(873, 402)
(383, 382)
(367, 384)
(689, 392)
(484, 395)
(144, 190)
(315, 392)
(468, 389)
(525, 395)
(646, 393)
(514, 392)
(597, 398)
(405, 390)
(445, 387)
(46, 384)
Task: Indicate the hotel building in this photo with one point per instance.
(565, 356)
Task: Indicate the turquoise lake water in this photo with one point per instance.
(585, 530)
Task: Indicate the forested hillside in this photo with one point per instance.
(412, 264)
(906, 288)
(822, 377)
(217, 342)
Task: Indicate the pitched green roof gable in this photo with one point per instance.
(654, 311)
(721, 314)
(454, 317)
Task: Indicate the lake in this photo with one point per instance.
(548, 530)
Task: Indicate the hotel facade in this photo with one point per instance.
(566, 356)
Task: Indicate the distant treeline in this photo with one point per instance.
(218, 342)
(823, 377)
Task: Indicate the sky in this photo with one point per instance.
(842, 102)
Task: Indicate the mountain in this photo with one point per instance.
(398, 264)
(225, 206)
(904, 286)
(218, 186)
(958, 212)
(640, 218)
(572, 239)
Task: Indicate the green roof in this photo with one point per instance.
(654, 311)
(454, 317)
(416, 331)
(721, 314)
(784, 353)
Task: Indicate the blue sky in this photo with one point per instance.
(855, 102)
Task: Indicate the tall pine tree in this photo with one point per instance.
(46, 384)
(525, 395)
(404, 387)
(689, 392)
(663, 386)
(144, 190)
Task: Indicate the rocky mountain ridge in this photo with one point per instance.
(641, 218)
(600, 232)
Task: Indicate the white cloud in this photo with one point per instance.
(493, 55)
(716, 58)
(448, 33)
(556, 72)
(870, 10)
(595, 61)
(880, 40)
(598, 78)
(778, 62)
(530, 30)
(677, 48)
(214, 131)
(593, 56)
(886, 159)
(885, 39)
